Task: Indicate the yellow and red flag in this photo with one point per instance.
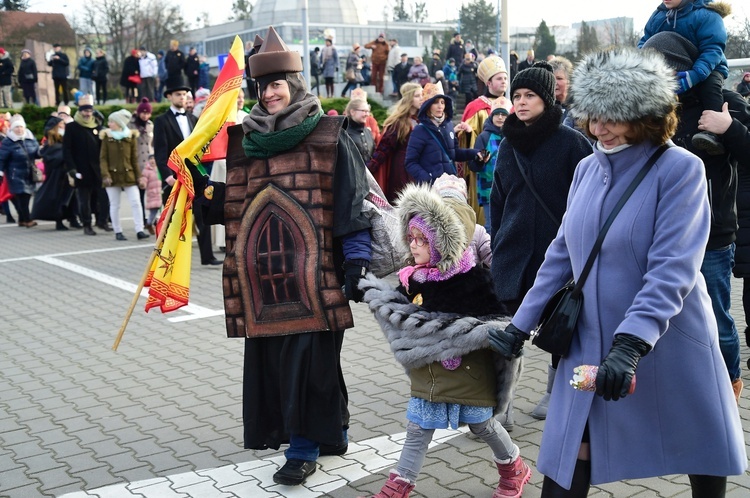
(168, 279)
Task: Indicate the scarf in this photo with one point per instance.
(15, 137)
(119, 135)
(427, 273)
(275, 142)
(526, 139)
(86, 123)
(437, 121)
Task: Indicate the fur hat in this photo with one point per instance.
(274, 57)
(419, 206)
(676, 49)
(85, 102)
(121, 117)
(17, 120)
(540, 79)
(489, 67)
(144, 106)
(622, 84)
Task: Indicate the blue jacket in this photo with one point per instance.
(432, 150)
(488, 140)
(702, 26)
(16, 158)
(85, 66)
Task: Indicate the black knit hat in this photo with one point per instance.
(676, 49)
(540, 79)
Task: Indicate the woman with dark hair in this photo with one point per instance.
(53, 199)
(645, 304)
(295, 181)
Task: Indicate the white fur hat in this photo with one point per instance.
(622, 84)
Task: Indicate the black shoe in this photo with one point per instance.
(214, 262)
(294, 472)
(705, 140)
(120, 236)
(59, 225)
(88, 231)
(142, 235)
(106, 227)
(334, 449)
(74, 224)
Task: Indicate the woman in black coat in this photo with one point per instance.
(130, 77)
(28, 76)
(52, 200)
(99, 75)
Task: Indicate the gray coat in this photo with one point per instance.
(682, 417)
(329, 63)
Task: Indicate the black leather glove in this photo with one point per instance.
(618, 368)
(200, 181)
(508, 342)
(354, 270)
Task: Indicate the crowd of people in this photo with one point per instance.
(144, 74)
(501, 208)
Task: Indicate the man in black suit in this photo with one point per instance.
(170, 129)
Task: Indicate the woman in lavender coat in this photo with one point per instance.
(645, 302)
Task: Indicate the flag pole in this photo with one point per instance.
(154, 253)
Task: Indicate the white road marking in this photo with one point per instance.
(254, 479)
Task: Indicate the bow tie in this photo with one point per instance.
(178, 114)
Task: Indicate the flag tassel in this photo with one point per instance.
(151, 259)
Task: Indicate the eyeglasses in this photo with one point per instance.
(419, 241)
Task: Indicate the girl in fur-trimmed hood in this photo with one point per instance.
(442, 341)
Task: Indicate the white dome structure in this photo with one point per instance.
(273, 12)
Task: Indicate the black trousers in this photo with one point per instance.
(101, 91)
(21, 203)
(710, 92)
(61, 90)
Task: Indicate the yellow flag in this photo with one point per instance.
(169, 278)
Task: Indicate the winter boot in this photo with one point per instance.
(59, 225)
(395, 487)
(513, 476)
(540, 411)
(705, 140)
(506, 419)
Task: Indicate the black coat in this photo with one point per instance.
(721, 171)
(52, 198)
(400, 73)
(27, 72)
(130, 67)
(6, 70)
(100, 69)
(81, 147)
(362, 138)
(192, 66)
(59, 66)
(521, 229)
(167, 136)
(455, 51)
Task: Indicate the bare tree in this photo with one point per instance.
(119, 26)
(242, 10)
(738, 41)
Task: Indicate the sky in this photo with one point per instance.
(525, 13)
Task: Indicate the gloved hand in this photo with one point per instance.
(686, 81)
(200, 181)
(354, 270)
(508, 342)
(618, 368)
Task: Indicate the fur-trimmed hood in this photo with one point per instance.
(622, 84)
(450, 236)
(722, 8)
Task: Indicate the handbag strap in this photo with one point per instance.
(625, 196)
(533, 190)
(450, 161)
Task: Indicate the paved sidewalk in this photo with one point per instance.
(161, 417)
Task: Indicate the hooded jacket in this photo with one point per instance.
(432, 149)
(700, 21)
(86, 65)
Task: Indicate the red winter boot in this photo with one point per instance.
(395, 487)
(512, 478)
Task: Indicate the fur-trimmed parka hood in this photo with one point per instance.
(622, 84)
(450, 236)
(722, 8)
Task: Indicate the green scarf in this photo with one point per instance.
(90, 123)
(275, 142)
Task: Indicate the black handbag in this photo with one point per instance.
(560, 314)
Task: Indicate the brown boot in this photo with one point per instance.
(737, 386)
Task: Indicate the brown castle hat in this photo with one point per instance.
(257, 43)
(274, 57)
